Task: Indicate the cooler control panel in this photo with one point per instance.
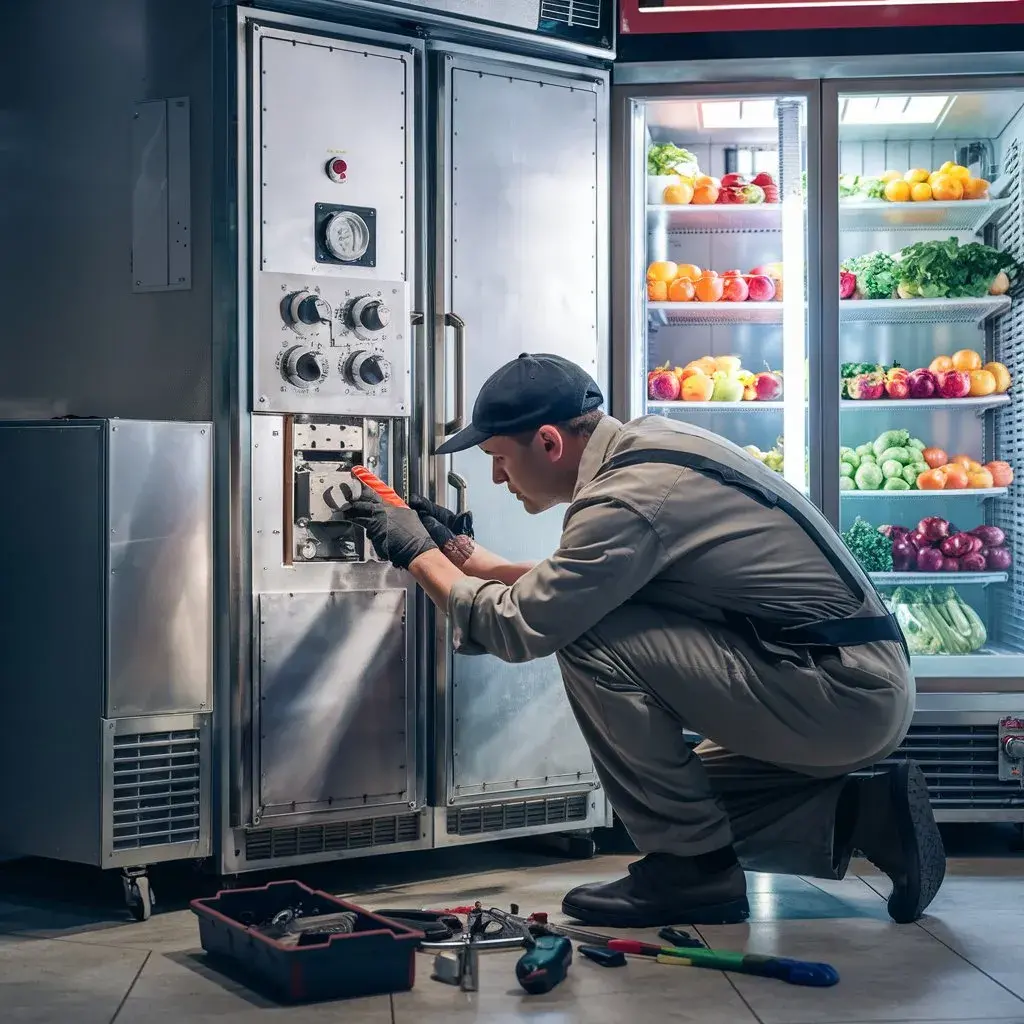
(1011, 749)
(331, 345)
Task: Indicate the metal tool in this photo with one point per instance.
(457, 962)
(680, 939)
(435, 925)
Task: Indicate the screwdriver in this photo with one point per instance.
(795, 972)
(545, 964)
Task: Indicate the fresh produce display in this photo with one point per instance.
(686, 282)
(664, 158)
(895, 461)
(936, 620)
(773, 458)
(713, 379)
(951, 182)
(960, 375)
(935, 545)
(929, 270)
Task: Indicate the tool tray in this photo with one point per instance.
(377, 957)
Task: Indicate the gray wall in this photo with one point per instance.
(72, 332)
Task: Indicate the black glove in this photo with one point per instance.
(441, 523)
(396, 534)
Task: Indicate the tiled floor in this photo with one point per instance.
(62, 964)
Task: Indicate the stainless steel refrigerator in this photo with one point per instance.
(341, 218)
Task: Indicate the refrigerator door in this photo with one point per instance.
(716, 264)
(521, 206)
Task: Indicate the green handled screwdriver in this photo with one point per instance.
(545, 964)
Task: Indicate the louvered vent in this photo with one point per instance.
(309, 840)
(471, 821)
(961, 765)
(585, 13)
(1005, 438)
(156, 791)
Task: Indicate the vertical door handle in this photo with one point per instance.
(461, 488)
(455, 321)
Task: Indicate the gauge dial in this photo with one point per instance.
(347, 237)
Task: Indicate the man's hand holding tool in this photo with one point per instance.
(395, 530)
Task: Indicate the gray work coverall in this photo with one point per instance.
(660, 605)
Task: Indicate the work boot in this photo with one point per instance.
(665, 889)
(895, 830)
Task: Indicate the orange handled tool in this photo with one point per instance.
(381, 489)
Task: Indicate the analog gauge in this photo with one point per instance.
(347, 237)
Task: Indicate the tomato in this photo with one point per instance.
(956, 477)
(1002, 473)
(962, 460)
(932, 480)
(935, 457)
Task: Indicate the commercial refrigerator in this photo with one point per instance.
(866, 158)
(342, 216)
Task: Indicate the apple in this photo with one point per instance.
(735, 289)
(749, 393)
(728, 364)
(663, 386)
(768, 386)
(728, 388)
(761, 288)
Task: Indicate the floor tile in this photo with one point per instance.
(178, 987)
(168, 932)
(641, 991)
(980, 919)
(46, 982)
(887, 973)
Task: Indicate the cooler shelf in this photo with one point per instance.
(902, 579)
(671, 407)
(922, 311)
(960, 492)
(760, 217)
(716, 312)
(991, 662)
(959, 216)
(977, 404)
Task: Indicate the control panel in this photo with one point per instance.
(319, 454)
(1011, 749)
(331, 345)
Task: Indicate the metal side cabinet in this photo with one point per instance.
(106, 644)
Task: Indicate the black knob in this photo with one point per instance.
(313, 310)
(307, 369)
(375, 316)
(371, 372)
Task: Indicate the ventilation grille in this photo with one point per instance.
(156, 792)
(309, 840)
(556, 810)
(961, 764)
(1005, 429)
(585, 13)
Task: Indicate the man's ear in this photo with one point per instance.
(553, 442)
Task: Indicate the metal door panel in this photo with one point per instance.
(524, 211)
(334, 729)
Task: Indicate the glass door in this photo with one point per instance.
(930, 355)
(723, 257)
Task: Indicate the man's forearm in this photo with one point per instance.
(436, 574)
(475, 560)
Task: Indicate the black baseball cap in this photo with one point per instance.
(524, 395)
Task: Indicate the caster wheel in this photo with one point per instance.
(139, 897)
(581, 847)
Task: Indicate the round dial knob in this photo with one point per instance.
(303, 368)
(367, 370)
(1013, 748)
(312, 309)
(370, 316)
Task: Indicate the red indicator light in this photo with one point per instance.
(339, 166)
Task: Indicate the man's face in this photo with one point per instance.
(540, 473)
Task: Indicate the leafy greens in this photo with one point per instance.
(933, 270)
(667, 158)
(877, 275)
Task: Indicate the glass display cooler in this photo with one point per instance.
(830, 273)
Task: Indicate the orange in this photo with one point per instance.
(705, 181)
(1002, 473)
(956, 477)
(960, 460)
(698, 387)
(958, 172)
(705, 195)
(657, 291)
(975, 188)
(710, 289)
(932, 480)
(677, 195)
(982, 383)
(897, 191)
(921, 192)
(915, 176)
(946, 188)
(681, 290)
(966, 359)
(1002, 376)
(664, 270)
(941, 364)
(888, 176)
(980, 478)
(689, 270)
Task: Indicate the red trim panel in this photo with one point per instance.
(670, 17)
